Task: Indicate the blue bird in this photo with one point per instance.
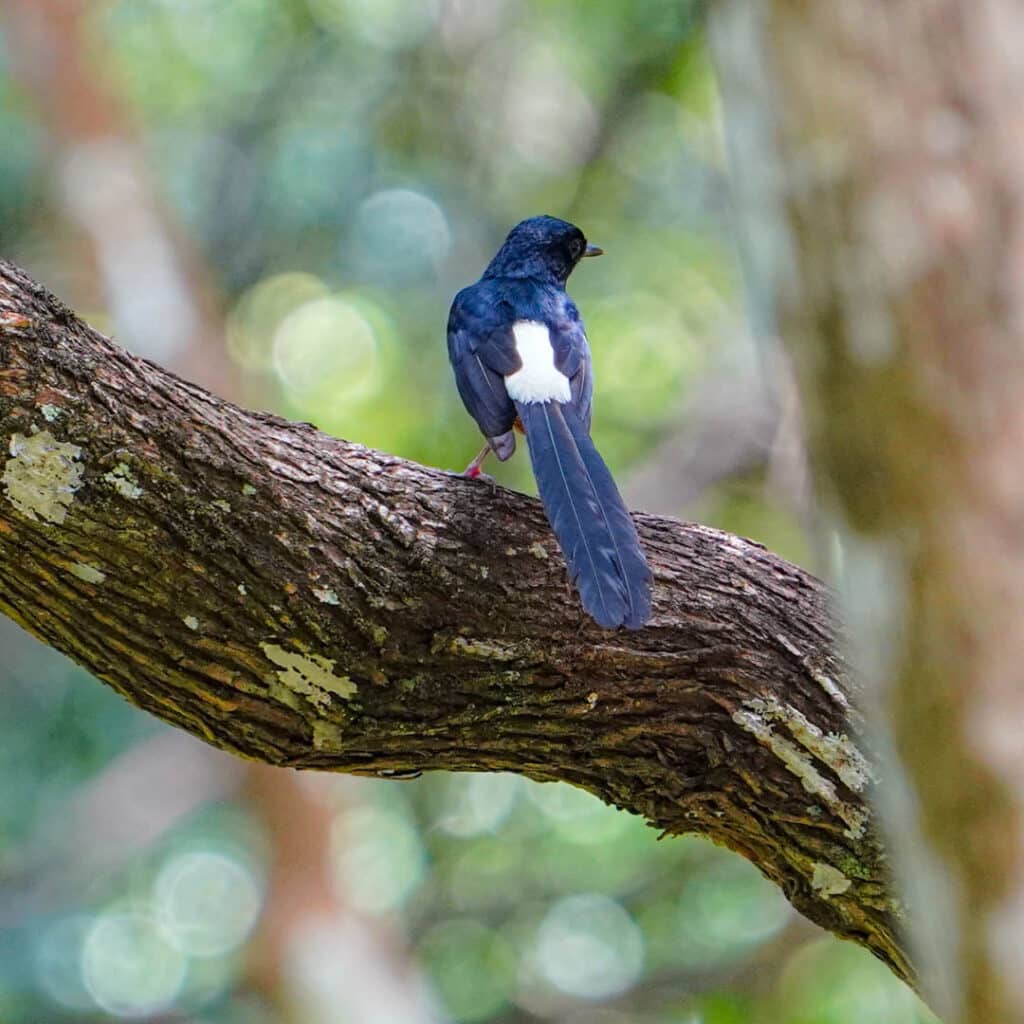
(521, 358)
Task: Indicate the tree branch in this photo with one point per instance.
(305, 601)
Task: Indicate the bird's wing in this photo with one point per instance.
(582, 387)
(572, 357)
(481, 350)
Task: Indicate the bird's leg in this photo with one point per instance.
(473, 469)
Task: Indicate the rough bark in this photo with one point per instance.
(305, 601)
(886, 171)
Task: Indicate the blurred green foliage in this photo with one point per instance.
(343, 167)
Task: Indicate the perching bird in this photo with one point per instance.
(521, 357)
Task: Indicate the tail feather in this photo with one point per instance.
(590, 520)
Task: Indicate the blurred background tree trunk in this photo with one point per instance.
(319, 959)
(123, 250)
(880, 156)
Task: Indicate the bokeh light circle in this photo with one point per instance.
(590, 947)
(251, 325)
(399, 232)
(207, 902)
(327, 351)
(129, 966)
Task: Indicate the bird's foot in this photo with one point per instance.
(474, 473)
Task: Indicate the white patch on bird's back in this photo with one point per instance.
(537, 379)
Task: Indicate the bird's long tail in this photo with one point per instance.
(588, 515)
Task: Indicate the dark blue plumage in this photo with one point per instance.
(519, 352)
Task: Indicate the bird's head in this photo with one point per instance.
(542, 247)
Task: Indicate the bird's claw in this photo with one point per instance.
(476, 474)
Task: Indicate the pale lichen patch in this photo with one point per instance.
(326, 596)
(241, 589)
(835, 750)
(539, 551)
(88, 573)
(123, 481)
(829, 881)
(309, 674)
(248, 490)
(327, 735)
(224, 506)
(51, 413)
(799, 763)
(829, 686)
(191, 621)
(42, 475)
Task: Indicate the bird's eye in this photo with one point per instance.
(577, 248)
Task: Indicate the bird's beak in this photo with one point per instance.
(594, 250)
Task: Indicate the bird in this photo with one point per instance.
(521, 360)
